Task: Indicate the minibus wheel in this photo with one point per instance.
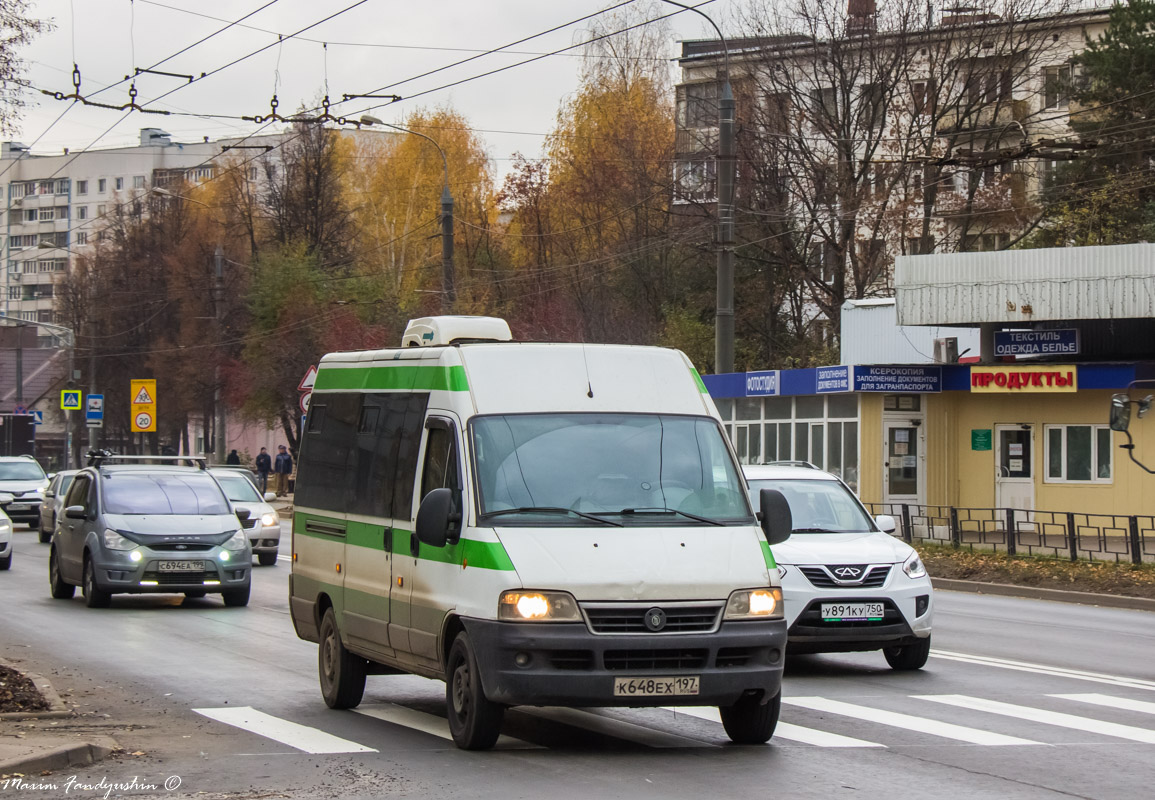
(749, 721)
(474, 721)
(342, 673)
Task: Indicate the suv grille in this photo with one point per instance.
(684, 618)
(819, 577)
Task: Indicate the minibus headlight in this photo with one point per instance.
(531, 606)
(755, 604)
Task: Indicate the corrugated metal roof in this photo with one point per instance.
(871, 335)
(1023, 286)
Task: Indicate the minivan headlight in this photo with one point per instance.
(755, 604)
(914, 567)
(531, 606)
(114, 541)
(238, 542)
(270, 519)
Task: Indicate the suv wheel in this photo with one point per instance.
(94, 596)
(60, 589)
(908, 656)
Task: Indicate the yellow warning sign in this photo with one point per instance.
(143, 410)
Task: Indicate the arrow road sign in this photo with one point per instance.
(94, 410)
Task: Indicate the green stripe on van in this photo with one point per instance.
(767, 556)
(698, 378)
(411, 378)
(482, 555)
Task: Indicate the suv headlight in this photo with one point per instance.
(530, 606)
(269, 520)
(755, 604)
(914, 567)
(238, 541)
(114, 541)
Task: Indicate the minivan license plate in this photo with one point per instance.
(655, 687)
(181, 566)
(852, 612)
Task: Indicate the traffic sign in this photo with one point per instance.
(306, 384)
(37, 417)
(94, 410)
(20, 411)
(70, 399)
(305, 402)
(143, 393)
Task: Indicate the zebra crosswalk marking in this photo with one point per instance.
(1123, 703)
(302, 737)
(430, 723)
(1032, 714)
(946, 730)
(785, 730)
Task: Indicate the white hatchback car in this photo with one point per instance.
(263, 525)
(848, 584)
(5, 541)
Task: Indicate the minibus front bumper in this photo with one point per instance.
(563, 664)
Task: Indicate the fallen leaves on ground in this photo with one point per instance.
(18, 693)
(1129, 580)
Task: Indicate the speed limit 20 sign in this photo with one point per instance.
(143, 405)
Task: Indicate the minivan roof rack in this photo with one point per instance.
(98, 457)
(805, 464)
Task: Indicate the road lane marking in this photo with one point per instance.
(1123, 703)
(1046, 717)
(946, 730)
(1043, 669)
(430, 723)
(784, 730)
(302, 737)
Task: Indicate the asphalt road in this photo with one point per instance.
(1021, 699)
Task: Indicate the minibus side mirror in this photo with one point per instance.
(1120, 412)
(438, 520)
(777, 522)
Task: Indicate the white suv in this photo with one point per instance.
(22, 482)
(849, 585)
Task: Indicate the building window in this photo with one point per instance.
(63, 185)
(987, 242)
(920, 96)
(31, 214)
(1078, 454)
(82, 212)
(119, 183)
(45, 315)
(1057, 86)
(779, 110)
(138, 182)
(100, 211)
(47, 214)
(698, 105)
(871, 106)
(695, 180)
(918, 246)
(82, 187)
(13, 292)
(81, 237)
(102, 185)
(45, 265)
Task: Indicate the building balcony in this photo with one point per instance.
(1000, 114)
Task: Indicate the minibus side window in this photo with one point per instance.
(441, 465)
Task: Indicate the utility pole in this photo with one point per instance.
(448, 291)
(93, 432)
(219, 423)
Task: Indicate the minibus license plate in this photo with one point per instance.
(851, 612)
(181, 566)
(655, 687)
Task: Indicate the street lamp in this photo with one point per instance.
(448, 293)
(724, 316)
(220, 421)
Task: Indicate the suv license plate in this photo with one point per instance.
(18, 506)
(180, 566)
(655, 687)
(852, 612)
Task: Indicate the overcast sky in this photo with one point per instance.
(375, 44)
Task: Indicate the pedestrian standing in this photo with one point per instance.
(283, 467)
(233, 459)
(264, 467)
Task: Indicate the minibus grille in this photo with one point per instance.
(631, 619)
(675, 659)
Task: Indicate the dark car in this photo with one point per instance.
(135, 527)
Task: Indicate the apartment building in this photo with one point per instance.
(890, 129)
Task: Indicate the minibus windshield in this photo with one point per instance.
(631, 469)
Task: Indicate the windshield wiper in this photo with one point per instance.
(815, 530)
(549, 510)
(660, 510)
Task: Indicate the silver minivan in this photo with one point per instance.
(136, 527)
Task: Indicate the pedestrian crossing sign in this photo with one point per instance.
(70, 400)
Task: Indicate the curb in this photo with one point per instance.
(56, 707)
(1039, 593)
(79, 754)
